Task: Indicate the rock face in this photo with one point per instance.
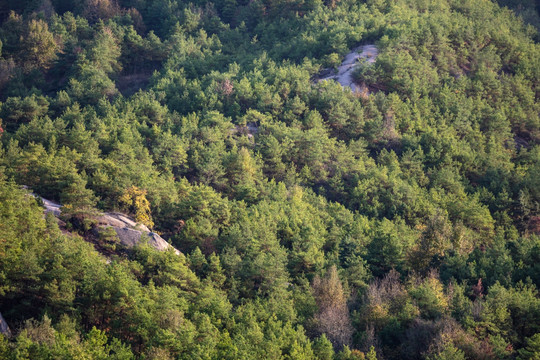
(346, 69)
(51, 207)
(4, 328)
(120, 220)
(131, 237)
(129, 232)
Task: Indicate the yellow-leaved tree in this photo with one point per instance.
(134, 201)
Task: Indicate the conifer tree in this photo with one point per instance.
(78, 204)
(38, 45)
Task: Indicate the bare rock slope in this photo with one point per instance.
(129, 232)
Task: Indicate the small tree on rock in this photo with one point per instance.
(78, 204)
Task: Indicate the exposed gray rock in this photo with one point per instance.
(51, 207)
(130, 237)
(346, 69)
(120, 220)
(129, 232)
(4, 328)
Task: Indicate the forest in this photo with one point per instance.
(310, 221)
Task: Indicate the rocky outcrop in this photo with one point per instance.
(130, 237)
(345, 70)
(129, 232)
(115, 219)
(52, 207)
(4, 328)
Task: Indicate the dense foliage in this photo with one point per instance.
(314, 223)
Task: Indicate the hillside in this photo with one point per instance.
(264, 179)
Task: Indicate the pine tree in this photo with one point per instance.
(38, 46)
(78, 204)
(532, 350)
(371, 355)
